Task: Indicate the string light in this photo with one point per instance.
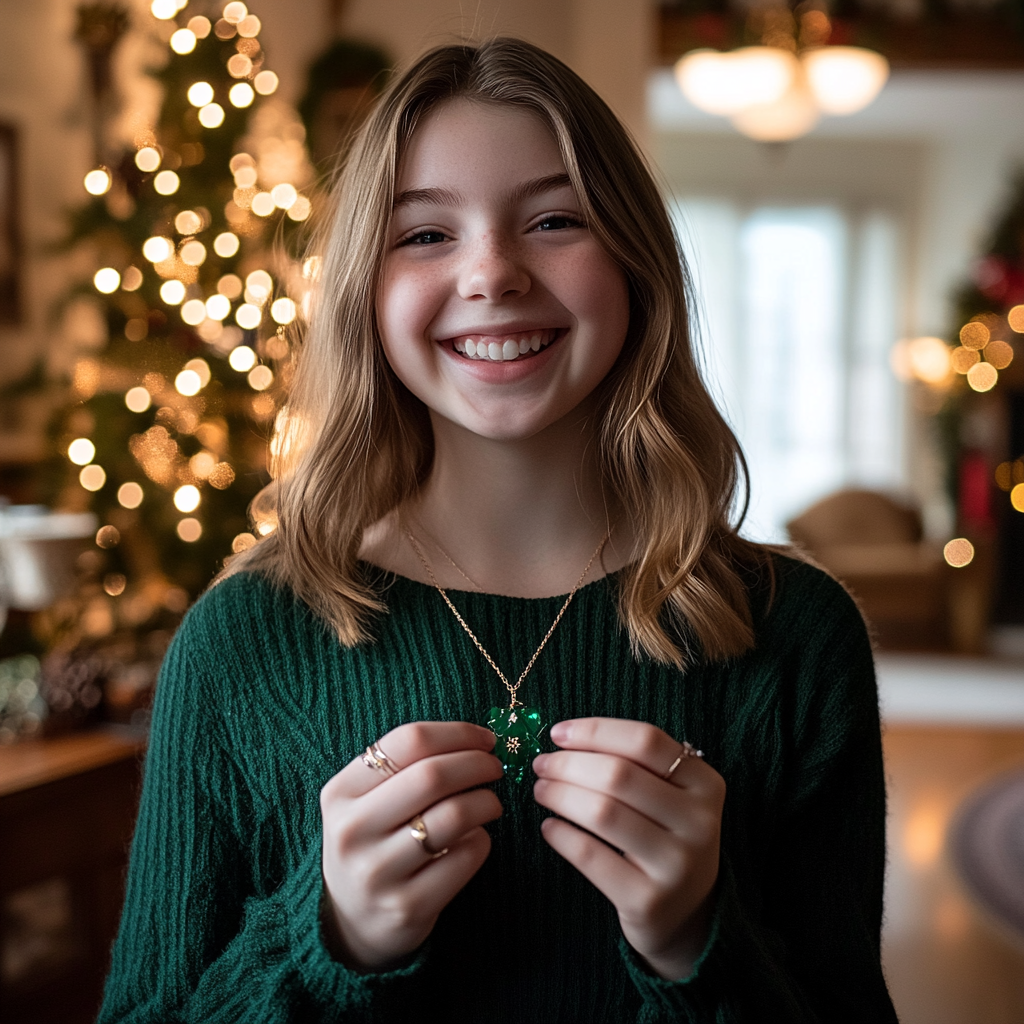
(202, 464)
(248, 317)
(974, 335)
(241, 94)
(114, 583)
(249, 27)
(147, 159)
(245, 176)
(131, 281)
(258, 286)
(199, 26)
(265, 83)
(97, 182)
(200, 93)
(243, 542)
(958, 552)
(188, 383)
(201, 368)
(187, 498)
(999, 354)
(211, 116)
(183, 41)
(166, 183)
(222, 476)
(108, 537)
(283, 310)
(226, 244)
(230, 286)
(136, 329)
(106, 280)
(92, 477)
(138, 399)
(157, 248)
(193, 312)
(262, 204)
(1015, 317)
(982, 376)
(1017, 497)
(239, 65)
(193, 254)
(300, 209)
(129, 495)
(242, 359)
(260, 378)
(172, 292)
(188, 222)
(218, 306)
(234, 12)
(190, 530)
(284, 196)
(164, 10)
(82, 451)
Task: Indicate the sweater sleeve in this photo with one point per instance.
(801, 943)
(195, 943)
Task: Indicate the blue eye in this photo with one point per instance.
(558, 222)
(425, 238)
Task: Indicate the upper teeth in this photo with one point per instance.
(503, 350)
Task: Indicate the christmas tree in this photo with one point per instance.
(194, 230)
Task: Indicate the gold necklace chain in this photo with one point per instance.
(479, 646)
(455, 565)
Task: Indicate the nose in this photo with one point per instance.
(493, 270)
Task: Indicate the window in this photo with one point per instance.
(798, 311)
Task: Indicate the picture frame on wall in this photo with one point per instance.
(10, 237)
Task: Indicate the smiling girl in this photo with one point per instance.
(504, 527)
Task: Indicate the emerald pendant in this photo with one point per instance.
(518, 732)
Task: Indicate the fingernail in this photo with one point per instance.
(539, 761)
(559, 732)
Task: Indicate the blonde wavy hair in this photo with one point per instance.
(357, 443)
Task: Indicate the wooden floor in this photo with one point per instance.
(945, 961)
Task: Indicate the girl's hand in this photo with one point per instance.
(609, 779)
(384, 890)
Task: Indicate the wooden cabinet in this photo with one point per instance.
(67, 812)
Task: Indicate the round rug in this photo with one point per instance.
(986, 843)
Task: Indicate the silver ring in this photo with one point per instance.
(418, 830)
(376, 759)
(689, 750)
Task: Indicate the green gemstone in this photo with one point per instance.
(518, 738)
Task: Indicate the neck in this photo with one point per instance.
(520, 517)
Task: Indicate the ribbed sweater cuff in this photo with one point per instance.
(329, 983)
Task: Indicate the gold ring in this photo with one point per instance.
(418, 830)
(689, 750)
(376, 759)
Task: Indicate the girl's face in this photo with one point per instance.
(497, 307)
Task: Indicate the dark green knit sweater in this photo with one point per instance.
(259, 705)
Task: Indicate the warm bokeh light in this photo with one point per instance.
(249, 27)
(190, 530)
(284, 195)
(958, 552)
(218, 307)
(199, 26)
(166, 183)
(239, 65)
(97, 182)
(311, 268)
(193, 254)
(234, 12)
(164, 9)
(726, 83)
(131, 281)
(242, 359)
(211, 116)
(999, 354)
(137, 328)
(1015, 318)
(982, 376)
(962, 359)
(157, 248)
(300, 209)
(1017, 497)
(108, 537)
(245, 176)
(193, 312)
(265, 83)
(262, 204)
(924, 835)
(106, 280)
(259, 284)
(222, 476)
(230, 285)
(172, 292)
(202, 464)
(188, 222)
(283, 310)
(188, 383)
(186, 498)
(243, 542)
(925, 359)
(130, 495)
(241, 94)
(248, 316)
(147, 159)
(82, 451)
(138, 399)
(844, 79)
(183, 41)
(201, 368)
(92, 477)
(260, 378)
(200, 93)
(114, 583)
(226, 244)
(974, 335)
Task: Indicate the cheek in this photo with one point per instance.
(603, 300)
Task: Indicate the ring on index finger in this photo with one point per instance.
(689, 750)
(376, 759)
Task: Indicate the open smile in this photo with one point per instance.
(505, 348)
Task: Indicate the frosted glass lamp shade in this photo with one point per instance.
(844, 79)
(727, 83)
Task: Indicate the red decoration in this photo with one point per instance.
(975, 492)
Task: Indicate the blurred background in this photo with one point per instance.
(847, 180)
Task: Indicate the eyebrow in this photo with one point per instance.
(446, 197)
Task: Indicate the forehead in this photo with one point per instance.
(463, 141)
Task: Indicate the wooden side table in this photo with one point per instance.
(67, 812)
